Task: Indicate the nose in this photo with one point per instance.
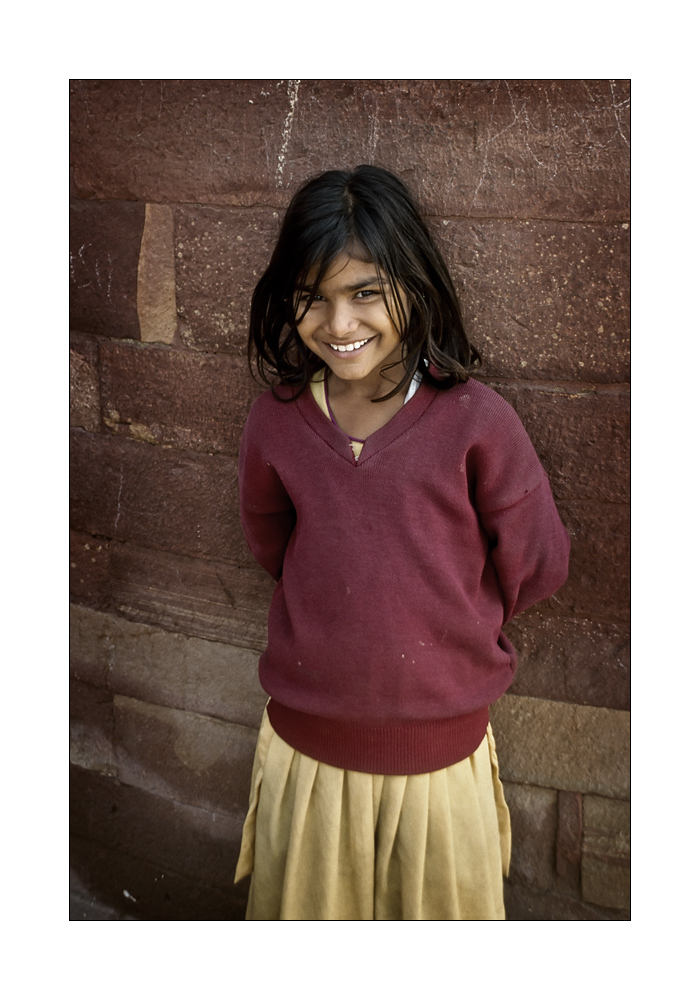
(341, 320)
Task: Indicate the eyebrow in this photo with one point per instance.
(356, 287)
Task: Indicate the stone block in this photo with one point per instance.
(582, 438)
(172, 836)
(181, 399)
(179, 501)
(202, 141)
(569, 747)
(221, 255)
(105, 241)
(90, 645)
(525, 903)
(569, 839)
(164, 668)
(605, 863)
(571, 659)
(155, 296)
(533, 817)
(196, 597)
(181, 755)
(598, 585)
(89, 570)
(84, 383)
(552, 149)
(543, 300)
(91, 727)
(122, 887)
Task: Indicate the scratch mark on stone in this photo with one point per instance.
(374, 135)
(374, 125)
(109, 277)
(489, 140)
(293, 95)
(229, 593)
(82, 259)
(119, 499)
(615, 106)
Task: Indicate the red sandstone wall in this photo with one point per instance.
(177, 189)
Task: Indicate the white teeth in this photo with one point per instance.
(349, 347)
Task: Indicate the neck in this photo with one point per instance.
(365, 390)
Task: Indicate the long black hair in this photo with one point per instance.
(369, 213)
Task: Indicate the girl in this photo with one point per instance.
(403, 512)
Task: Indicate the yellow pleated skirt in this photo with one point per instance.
(323, 843)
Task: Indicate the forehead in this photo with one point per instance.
(347, 271)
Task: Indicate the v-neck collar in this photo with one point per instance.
(338, 440)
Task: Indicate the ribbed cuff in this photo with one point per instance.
(399, 748)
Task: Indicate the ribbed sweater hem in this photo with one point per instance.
(396, 748)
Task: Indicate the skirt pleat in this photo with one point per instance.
(323, 843)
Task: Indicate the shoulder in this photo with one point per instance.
(271, 405)
(499, 453)
(479, 407)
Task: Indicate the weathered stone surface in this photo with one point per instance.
(211, 678)
(195, 597)
(175, 500)
(533, 816)
(543, 299)
(525, 903)
(180, 838)
(605, 864)
(569, 839)
(134, 889)
(184, 756)
(182, 399)
(84, 383)
(571, 659)
(91, 728)
(155, 297)
(89, 570)
(105, 240)
(570, 747)
(221, 255)
(581, 437)
(598, 585)
(88, 647)
(554, 149)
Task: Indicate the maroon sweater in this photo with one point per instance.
(395, 573)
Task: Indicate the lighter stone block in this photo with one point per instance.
(184, 756)
(605, 862)
(155, 297)
(90, 749)
(533, 817)
(165, 668)
(84, 394)
(552, 744)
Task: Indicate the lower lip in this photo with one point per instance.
(348, 355)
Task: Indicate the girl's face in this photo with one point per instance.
(348, 325)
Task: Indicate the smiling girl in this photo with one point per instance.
(405, 516)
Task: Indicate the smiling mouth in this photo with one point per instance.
(350, 348)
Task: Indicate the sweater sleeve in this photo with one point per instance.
(530, 549)
(529, 544)
(267, 513)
